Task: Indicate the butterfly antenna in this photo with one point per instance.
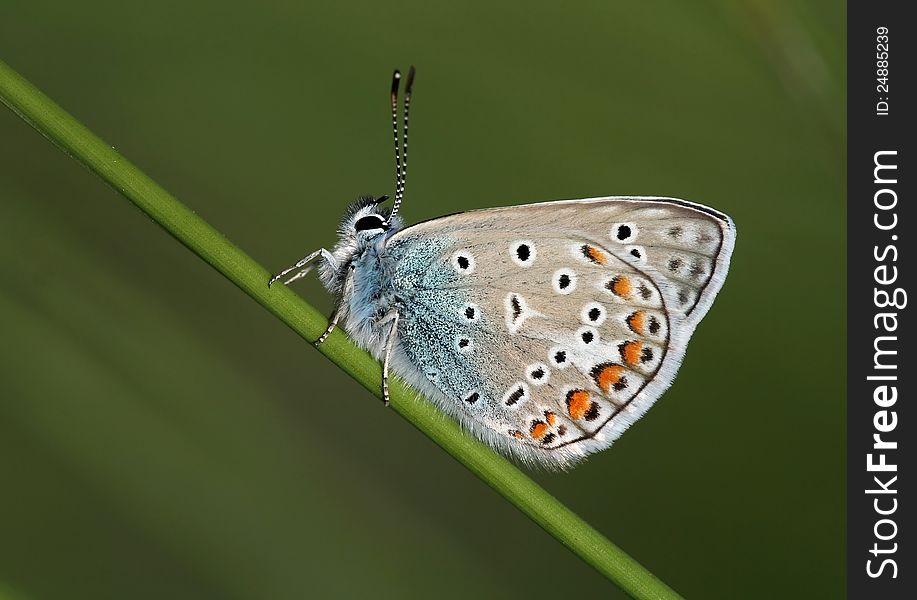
(408, 87)
(396, 82)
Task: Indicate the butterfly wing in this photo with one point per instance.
(548, 329)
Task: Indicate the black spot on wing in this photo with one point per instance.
(515, 396)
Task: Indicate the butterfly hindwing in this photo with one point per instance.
(549, 328)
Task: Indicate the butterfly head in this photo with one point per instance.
(365, 224)
(365, 220)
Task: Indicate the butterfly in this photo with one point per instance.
(546, 329)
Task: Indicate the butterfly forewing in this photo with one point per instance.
(555, 325)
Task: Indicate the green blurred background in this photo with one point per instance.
(163, 436)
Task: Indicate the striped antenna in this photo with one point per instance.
(408, 86)
(396, 82)
(401, 154)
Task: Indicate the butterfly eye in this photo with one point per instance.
(369, 222)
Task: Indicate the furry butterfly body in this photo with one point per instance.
(546, 329)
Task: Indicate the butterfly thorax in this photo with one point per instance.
(369, 296)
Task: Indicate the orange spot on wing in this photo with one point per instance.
(608, 376)
(539, 429)
(619, 286)
(551, 417)
(631, 352)
(637, 321)
(577, 403)
(594, 254)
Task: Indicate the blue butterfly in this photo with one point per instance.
(547, 329)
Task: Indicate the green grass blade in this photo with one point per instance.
(183, 224)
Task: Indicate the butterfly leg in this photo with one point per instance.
(345, 297)
(304, 265)
(389, 343)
